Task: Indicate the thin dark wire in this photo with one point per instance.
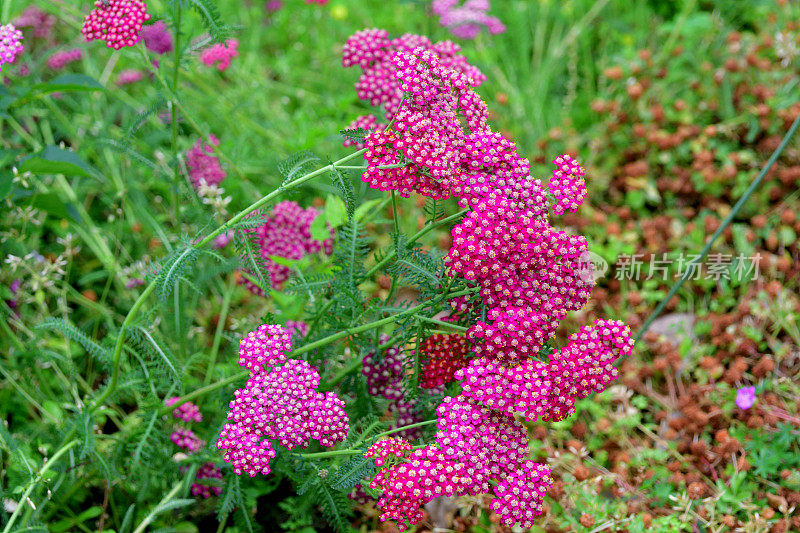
(725, 223)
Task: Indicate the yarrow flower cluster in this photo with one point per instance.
(386, 448)
(567, 185)
(220, 53)
(117, 22)
(203, 165)
(384, 373)
(186, 439)
(157, 38)
(441, 356)
(40, 21)
(466, 20)
(528, 276)
(128, 76)
(61, 59)
(286, 233)
(280, 402)
(187, 412)
(10, 43)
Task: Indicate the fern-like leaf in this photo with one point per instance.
(355, 134)
(209, 13)
(74, 333)
(173, 267)
(335, 506)
(297, 164)
(345, 187)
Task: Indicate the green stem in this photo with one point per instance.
(442, 323)
(334, 453)
(722, 226)
(412, 426)
(223, 316)
(176, 60)
(200, 244)
(23, 501)
(166, 499)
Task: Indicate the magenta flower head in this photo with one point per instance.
(157, 37)
(128, 76)
(203, 165)
(467, 20)
(567, 185)
(220, 53)
(10, 43)
(61, 59)
(117, 22)
(40, 21)
(746, 397)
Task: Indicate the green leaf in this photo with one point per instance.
(319, 228)
(6, 181)
(54, 160)
(366, 207)
(335, 211)
(61, 84)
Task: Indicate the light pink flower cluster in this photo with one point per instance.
(128, 76)
(372, 50)
(61, 59)
(385, 448)
(203, 165)
(10, 43)
(185, 438)
(468, 19)
(157, 37)
(220, 53)
(286, 233)
(567, 185)
(117, 22)
(279, 402)
(188, 412)
(40, 21)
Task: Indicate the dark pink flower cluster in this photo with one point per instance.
(388, 447)
(366, 122)
(205, 472)
(128, 76)
(441, 356)
(117, 22)
(279, 402)
(220, 53)
(466, 20)
(373, 51)
(384, 373)
(287, 233)
(185, 438)
(567, 185)
(39, 21)
(157, 37)
(61, 59)
(203, 165)
(10, 43)
(528, 276)
(188, 412)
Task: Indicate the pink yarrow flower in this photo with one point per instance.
(10, 43)
(745, 397)
(60, 59)
(126, 77)
(40, 21)
(220, 53)
(157, 37)
(279, 403)
(117, 22)
(203, 165)
(468, 19)
(567, 185)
